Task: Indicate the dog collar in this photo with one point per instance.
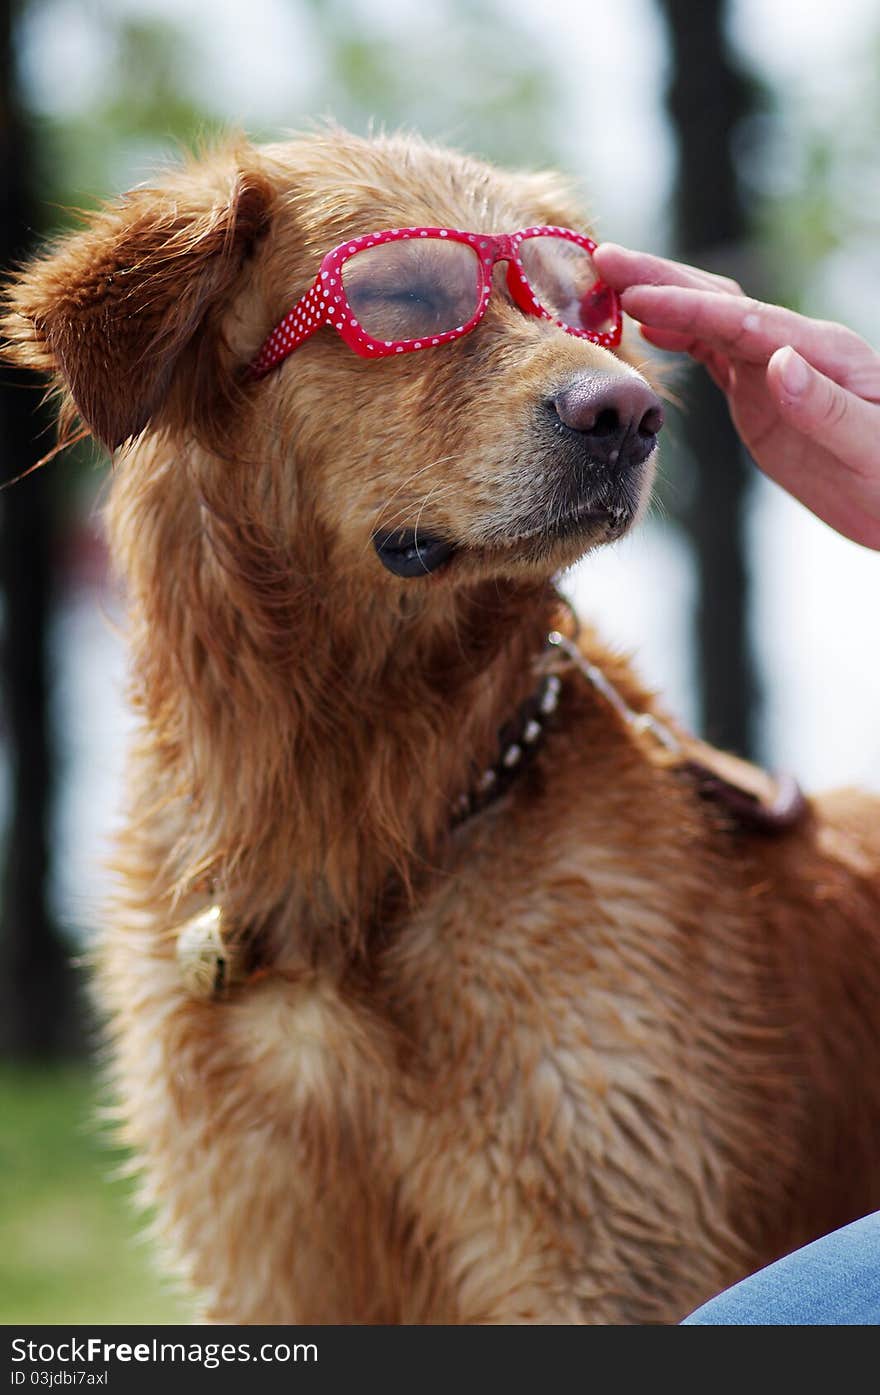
(213, 956)
(754, 798)
(517, 742)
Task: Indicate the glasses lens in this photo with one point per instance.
(566, 284)
(413, 289)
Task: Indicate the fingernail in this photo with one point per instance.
(793, 372)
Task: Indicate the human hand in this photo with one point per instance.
(804, 394)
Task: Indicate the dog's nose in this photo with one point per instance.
(617, 417)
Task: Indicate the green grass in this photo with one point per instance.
(71, 1250)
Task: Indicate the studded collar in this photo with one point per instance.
(749, 796)
(214, 956)
(517, 741)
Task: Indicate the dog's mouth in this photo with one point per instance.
(585, 523)
(412, 552)
(565, 528)
(570, 521)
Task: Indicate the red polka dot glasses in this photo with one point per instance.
(405, 289)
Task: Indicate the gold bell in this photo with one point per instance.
(205, 955)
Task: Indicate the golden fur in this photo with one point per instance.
(589, 1057)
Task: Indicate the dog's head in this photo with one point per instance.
(323, 562)
(511, 450)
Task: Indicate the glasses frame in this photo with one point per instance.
(325, 303)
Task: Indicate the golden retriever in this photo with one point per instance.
(438, 990)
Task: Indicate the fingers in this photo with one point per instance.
(750, 330)
(805, 394)
(715, 363)
(620, 268)
(831, 417)
(672, 340)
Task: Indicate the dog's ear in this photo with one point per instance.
(119, 310)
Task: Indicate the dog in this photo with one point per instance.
(448, 981)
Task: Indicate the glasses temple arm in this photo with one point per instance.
(308, 314)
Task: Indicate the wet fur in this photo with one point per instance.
(588, 1058)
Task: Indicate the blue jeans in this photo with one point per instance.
(833, 1281)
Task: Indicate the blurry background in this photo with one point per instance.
(740, 134)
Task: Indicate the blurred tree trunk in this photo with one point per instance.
(36, 989)
(707, 99)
